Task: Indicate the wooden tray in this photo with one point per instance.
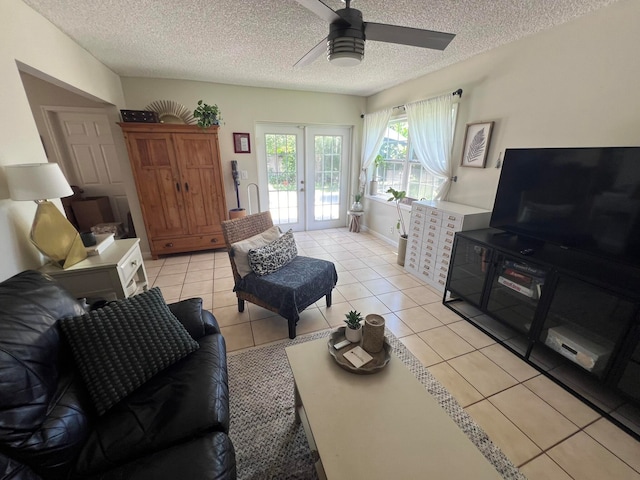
(379, 361)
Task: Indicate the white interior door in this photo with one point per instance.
(303, 175)
(89, 157)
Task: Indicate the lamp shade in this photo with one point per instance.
(37, 181)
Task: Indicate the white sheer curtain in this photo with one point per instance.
(431, 125)
(375, 124)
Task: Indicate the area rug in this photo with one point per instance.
(268, 442)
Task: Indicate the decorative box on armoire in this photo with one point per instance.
(179, 182)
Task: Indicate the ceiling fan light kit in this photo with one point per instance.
(348, 32)
(345, 51)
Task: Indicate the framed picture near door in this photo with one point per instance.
(476, 144)
(241, 143)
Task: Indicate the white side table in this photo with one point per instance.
(118, 272)
(354, 222)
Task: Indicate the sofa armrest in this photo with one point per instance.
(189, 313)
(210, 323)
(197, 321)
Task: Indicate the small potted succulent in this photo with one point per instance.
(353, 331)
(357, 205)
(207, 115)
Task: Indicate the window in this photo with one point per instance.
(399, 168)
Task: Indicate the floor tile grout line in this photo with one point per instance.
(555, 463)
(637, 470)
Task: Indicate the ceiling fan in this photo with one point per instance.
(348, 32)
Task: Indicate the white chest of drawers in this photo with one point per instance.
(118, 272)
(431, 231)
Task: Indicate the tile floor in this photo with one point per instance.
(543, 429)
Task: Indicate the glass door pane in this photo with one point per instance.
(515, 293)
(470, 268)
(585, 323)
(281, 173)
(327, 178)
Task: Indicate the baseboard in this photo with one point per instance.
(364, 228)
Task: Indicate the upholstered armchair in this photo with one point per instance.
(289, 289)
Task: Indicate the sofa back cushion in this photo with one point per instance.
(32, 428)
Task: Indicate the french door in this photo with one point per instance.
(303, 174)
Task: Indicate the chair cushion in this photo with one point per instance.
(241, 249)
(183, 401)
(119, 347)
(274, 256)
(293, 288)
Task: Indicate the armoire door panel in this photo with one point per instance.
(154, 150)
(158, 185)
(200, 170)
(197, 150)
(203, 201)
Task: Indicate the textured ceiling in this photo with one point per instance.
(256, 42)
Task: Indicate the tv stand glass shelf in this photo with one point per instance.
(575, 317)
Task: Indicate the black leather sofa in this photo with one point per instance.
(174, 426)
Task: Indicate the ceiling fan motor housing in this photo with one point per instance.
(345, 43)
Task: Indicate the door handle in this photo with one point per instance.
(302, 189)
(178, 186)
(186, 186)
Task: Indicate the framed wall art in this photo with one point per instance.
(241, 143)
(476, 144)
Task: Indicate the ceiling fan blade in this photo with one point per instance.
(312, 54)
(417, 37)
(320, 9)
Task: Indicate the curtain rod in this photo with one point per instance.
(457, 92)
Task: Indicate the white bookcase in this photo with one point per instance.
(432, 228)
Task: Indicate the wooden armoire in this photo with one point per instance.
(179, 181)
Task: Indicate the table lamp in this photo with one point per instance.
(51, 232)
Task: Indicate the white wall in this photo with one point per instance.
(41, 49)
(574, 85)
(242, 108)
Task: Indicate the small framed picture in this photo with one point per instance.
(241, 143)
(476, 144)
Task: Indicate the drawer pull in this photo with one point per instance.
(214, 240)
(168, 245)
(134, 263)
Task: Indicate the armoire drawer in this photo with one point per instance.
(186, 244)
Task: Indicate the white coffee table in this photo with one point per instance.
(380, 426)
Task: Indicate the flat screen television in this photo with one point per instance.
(587, 199)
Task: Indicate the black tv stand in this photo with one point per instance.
(575, 317)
